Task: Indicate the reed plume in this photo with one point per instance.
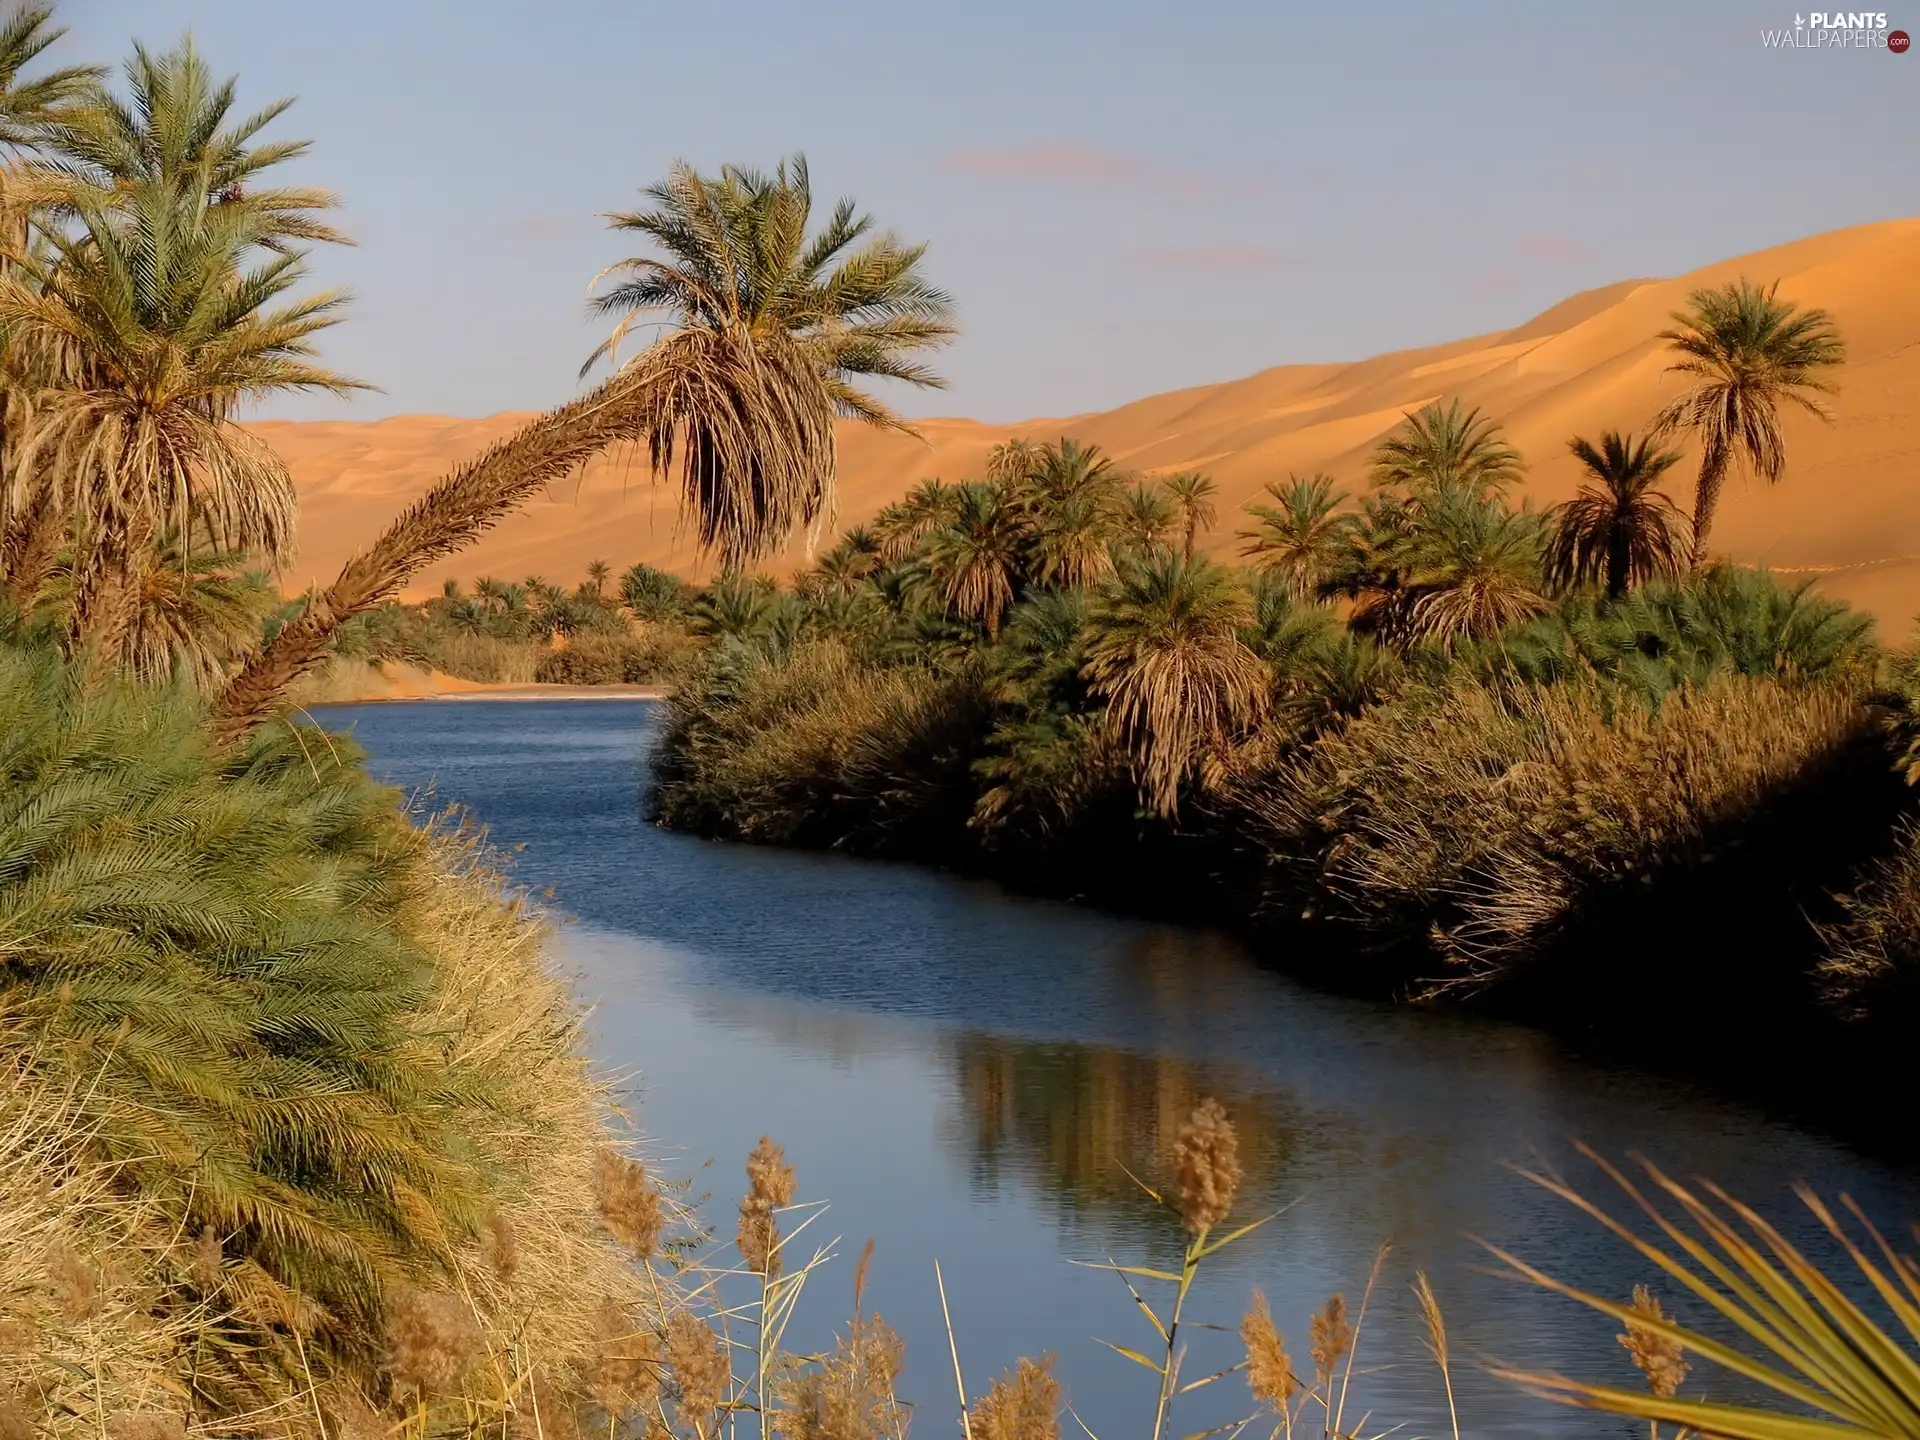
(1023, 1404)
(1330, 1338)
(1208, 1161)
(628, 1202)
(1656, 1356)
(770, 1188)
(432, 1342)
(1436, 1324)
(1270, 1375)
(698, 1360)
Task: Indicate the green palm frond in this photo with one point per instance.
(1841, 1355)
(770, 332)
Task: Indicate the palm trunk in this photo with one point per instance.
(107, 602)
(27, 553)
(1618, 553)
(445, 520)
(1706, 496)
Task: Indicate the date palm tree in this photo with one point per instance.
(1435, 450)
(1473, 568)
(1193, 496)
(1303, 538)
(1164, 648)
(901, 525)
(771, 330)
(172, 324)
(1147, 516)
(1747, 353)
(975, 559)
(1622, 530)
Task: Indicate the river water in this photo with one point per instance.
(972, 1076)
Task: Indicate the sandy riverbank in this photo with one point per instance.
(358, 684)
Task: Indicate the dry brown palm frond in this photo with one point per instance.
(1164, 648)
(468, 501)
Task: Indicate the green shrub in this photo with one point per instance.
(652, 654)
(816, 748)
(312, 1051)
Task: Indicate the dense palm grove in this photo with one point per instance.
(296, 1133)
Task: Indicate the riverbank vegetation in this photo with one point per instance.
(297, 1134)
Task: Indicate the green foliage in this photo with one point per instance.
(652, 594)
(211, 947)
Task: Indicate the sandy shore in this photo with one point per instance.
(357, 684)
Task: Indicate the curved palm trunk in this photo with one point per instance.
(449, 517)
(27, 552)
(1706, 497)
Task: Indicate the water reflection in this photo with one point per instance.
(972, 1076)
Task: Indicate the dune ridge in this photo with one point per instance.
(1848, 512)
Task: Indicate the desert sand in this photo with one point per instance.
(1848, 512)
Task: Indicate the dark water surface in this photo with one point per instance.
(964, 1073)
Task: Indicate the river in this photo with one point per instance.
(970, 1075)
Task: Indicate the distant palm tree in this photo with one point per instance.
(1193, 497)
(975, 558)
(1072, 542)
(1437, 450)
(772, 329)
(1012, 462)
(652, 594)
(1055, 474)
(1163, 647)
(1623, 530)
(1303, 538)
(1748, 352)
(491, 593)
(1473, 568)
(598, 573)
(1147, 516)
(899, 526)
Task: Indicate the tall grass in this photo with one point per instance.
(1486, 820)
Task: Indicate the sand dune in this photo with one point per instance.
(1848, 512)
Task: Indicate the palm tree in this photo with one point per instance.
(1747, 352)
(771, 330)
(1072, 542)
(1303, 537)
(1193, 497)
(1147, 516)
(153, 302)
(1473, 569)
(1012, 462)
(598, 573)
(1623, 529)
(1163, 646)
(652, 594)
(901, 525)
(1436, 450)
(975, 558)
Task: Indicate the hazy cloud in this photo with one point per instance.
(1552, 245)
(1065, 163)
(1496, 282)
(1215, 257)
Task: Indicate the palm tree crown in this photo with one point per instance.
(1163, 646)
(1436, 450)
(1303, 537)
(1623, 530)
(1746, 351)
(1193, 495)
(772, 329)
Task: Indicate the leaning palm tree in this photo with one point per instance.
(976, 558)
(1303, 538)
(771, 330)
(1193, 497)
(1747, 352)
(900, 525)
(1163, 647)
(1623, 530)
(1436, 450)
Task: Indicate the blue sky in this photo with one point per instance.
(1123, 198)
